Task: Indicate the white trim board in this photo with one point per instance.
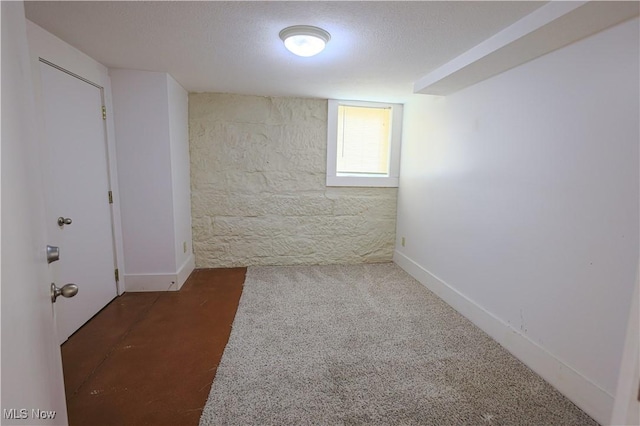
(151, 282)
(185, 270)
(626, 409)
(161, 282)
(594, 400)
(552, 26)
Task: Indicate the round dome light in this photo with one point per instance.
(304, 40)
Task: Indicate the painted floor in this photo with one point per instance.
(150, 358)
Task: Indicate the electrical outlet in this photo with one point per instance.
(184, 246)
(402, 241)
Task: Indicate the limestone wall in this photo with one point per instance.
(258, 188)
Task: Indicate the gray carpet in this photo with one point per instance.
(368, 345)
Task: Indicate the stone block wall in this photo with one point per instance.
(258, 189)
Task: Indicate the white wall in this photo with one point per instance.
(150, 111)
(144, 169)
(43, 44)
(519, 203)
(259, 188)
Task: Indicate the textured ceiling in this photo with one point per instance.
(377, 49)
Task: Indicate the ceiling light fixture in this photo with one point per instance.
(305, 40)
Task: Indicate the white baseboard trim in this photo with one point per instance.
(161, 282)
(185, 270)
(594, 400)
(151, 282)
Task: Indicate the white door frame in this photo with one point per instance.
(626, 408)
(46, 46)
(119, 290)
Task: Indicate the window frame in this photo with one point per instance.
(390, 181)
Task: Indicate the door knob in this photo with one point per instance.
(67, 290)
(64, 221)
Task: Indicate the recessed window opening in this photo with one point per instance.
(363, 143)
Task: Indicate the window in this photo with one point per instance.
(363, 146)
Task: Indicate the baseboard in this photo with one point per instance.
(161, 282)
(592, 399)
(151, 282)
(185, 270)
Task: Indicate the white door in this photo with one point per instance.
(77, 187)
(32, 384)
(626, 408)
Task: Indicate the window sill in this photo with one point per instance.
(381, 182)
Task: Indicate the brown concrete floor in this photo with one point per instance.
(150, 358)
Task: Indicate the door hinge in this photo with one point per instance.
(104, 112)
(117, 274)
(110, 197)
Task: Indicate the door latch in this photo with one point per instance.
(53, 254)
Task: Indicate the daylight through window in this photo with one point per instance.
(363, 143)
(363, 140)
